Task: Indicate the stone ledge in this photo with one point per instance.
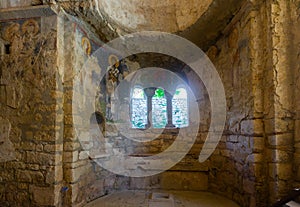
(28, 12)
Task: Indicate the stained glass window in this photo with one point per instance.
(180, 108)
(138, 108)
(159, 109)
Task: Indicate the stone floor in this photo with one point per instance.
(174, 199)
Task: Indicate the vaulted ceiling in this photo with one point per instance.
(200, 21)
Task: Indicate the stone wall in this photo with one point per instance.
(19, 3)
(31, 110)
(279, 120)
(254, 165)
(295, 33)
(234, 165)
(86, 179)
(43, 162)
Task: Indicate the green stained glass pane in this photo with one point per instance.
(159, 93)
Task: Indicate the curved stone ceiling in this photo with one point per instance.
(200, 21)
(158, 15)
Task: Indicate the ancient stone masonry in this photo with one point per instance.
(19, 3)
(46, 161)
(31, 110)
(255, 161)
(86, 179)
(237, 167)
(295, 33)
(115, 18)
(6, 146)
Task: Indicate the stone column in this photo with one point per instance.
(149, 93)
(169, 98)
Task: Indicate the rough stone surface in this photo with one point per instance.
(181, 198)
(257, 65)
(31, 107)
(256, 56)
(169, 16)
(111, 19)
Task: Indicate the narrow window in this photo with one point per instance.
(138, 109)
(180, 108)
(159, 109)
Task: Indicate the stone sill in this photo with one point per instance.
(99, 156)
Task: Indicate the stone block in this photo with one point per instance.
(15, 165)
(22, 197)
(232, 138)
(297, 130)
(184, 181)
(43, 158)
(297, 177)
(276, 155)
(145, 183)
(44, 136)
(257, 170)
(39, 148)
(29, 135)
(249, 186)
(278, 126)
(54, 175)
(6, 176)
(281, 140)
(257, 144)
(23, 186)
(83, 155)
(283, 171)
(44, 196)
(53, 148)
(33, 167)
(71, 156)
(73, 175)
(76, 164)
(71, 146)
(252, 127)
(28, 146)
(95, 190)
(37, 177)
(255, 158)
(24, 176)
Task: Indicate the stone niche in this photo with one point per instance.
(37, 86)
(86, 180)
